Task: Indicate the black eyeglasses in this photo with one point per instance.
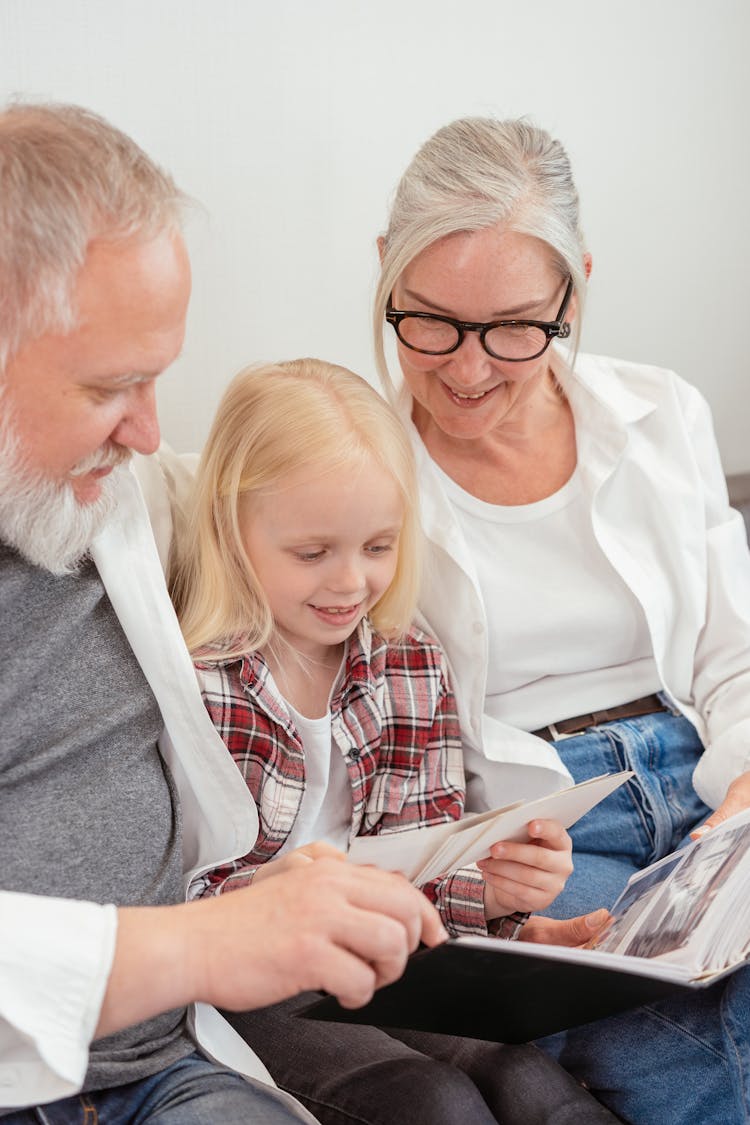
(511, 340)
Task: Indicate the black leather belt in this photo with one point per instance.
(566, 727)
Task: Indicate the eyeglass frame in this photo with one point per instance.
(553, 329)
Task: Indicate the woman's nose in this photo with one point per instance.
(470, 363)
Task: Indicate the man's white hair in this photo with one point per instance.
(66, 177)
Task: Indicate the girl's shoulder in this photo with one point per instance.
(415, 648)
(218, 669)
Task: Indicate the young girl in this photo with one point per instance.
(296, 586)
(295, 583)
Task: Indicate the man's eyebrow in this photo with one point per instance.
(128, 378)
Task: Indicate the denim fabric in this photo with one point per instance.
(643, 820)
(684, 1060)
(193, 1091)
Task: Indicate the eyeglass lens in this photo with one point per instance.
(506, 341)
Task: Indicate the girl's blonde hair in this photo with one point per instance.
(475, 173)
(273, 420)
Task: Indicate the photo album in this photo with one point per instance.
(681, 923)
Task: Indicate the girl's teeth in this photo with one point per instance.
(459, 395)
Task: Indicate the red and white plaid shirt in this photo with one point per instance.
(394, 721)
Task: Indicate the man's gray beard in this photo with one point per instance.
(42, 519)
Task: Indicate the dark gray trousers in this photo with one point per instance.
(351, 1074)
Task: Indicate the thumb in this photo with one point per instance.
(727, 808)
(320, 849)
(584, 927)
(568, 931)
(736, 800)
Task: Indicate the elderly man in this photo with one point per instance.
(114, 787)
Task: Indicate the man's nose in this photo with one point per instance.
(138, 429)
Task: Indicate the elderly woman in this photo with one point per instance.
(587, 576)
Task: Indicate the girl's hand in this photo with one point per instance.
(566, 931)
(527, 877)
(300, 857)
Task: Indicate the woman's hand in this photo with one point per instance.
(530, 876)
(736, 800)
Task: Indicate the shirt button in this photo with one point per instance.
(355, 754)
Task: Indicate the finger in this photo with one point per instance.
(512, 895)
(531, 856)
(380, 941)
(321, 849)
(509, 877)
(737, 799)
(277, 867)
(716, 818)
(393, 895)
(567, 931)
(549, 833)
(433, 932)
(346, 976)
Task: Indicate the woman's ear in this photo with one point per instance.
(381, 247)
(588, 262)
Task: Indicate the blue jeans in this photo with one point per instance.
(192, 1091)
(680, 1061)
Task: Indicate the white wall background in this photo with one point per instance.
(291, 121)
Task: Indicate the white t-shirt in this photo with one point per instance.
(326, 809)
(566, 636)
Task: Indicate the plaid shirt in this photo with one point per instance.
(394, 721)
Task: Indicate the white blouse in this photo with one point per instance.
(565, 635)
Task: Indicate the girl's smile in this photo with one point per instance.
(339, 615)
(324, 547)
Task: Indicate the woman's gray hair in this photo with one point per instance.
(475, 173)
(66, 177)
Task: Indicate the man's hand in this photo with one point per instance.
(736, 800)
(530, 876)
(565, 931)
(299, 857)
(322, 925)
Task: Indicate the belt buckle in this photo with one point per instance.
(558, 735)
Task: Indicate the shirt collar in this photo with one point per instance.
(596, 384)
(364, 663)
